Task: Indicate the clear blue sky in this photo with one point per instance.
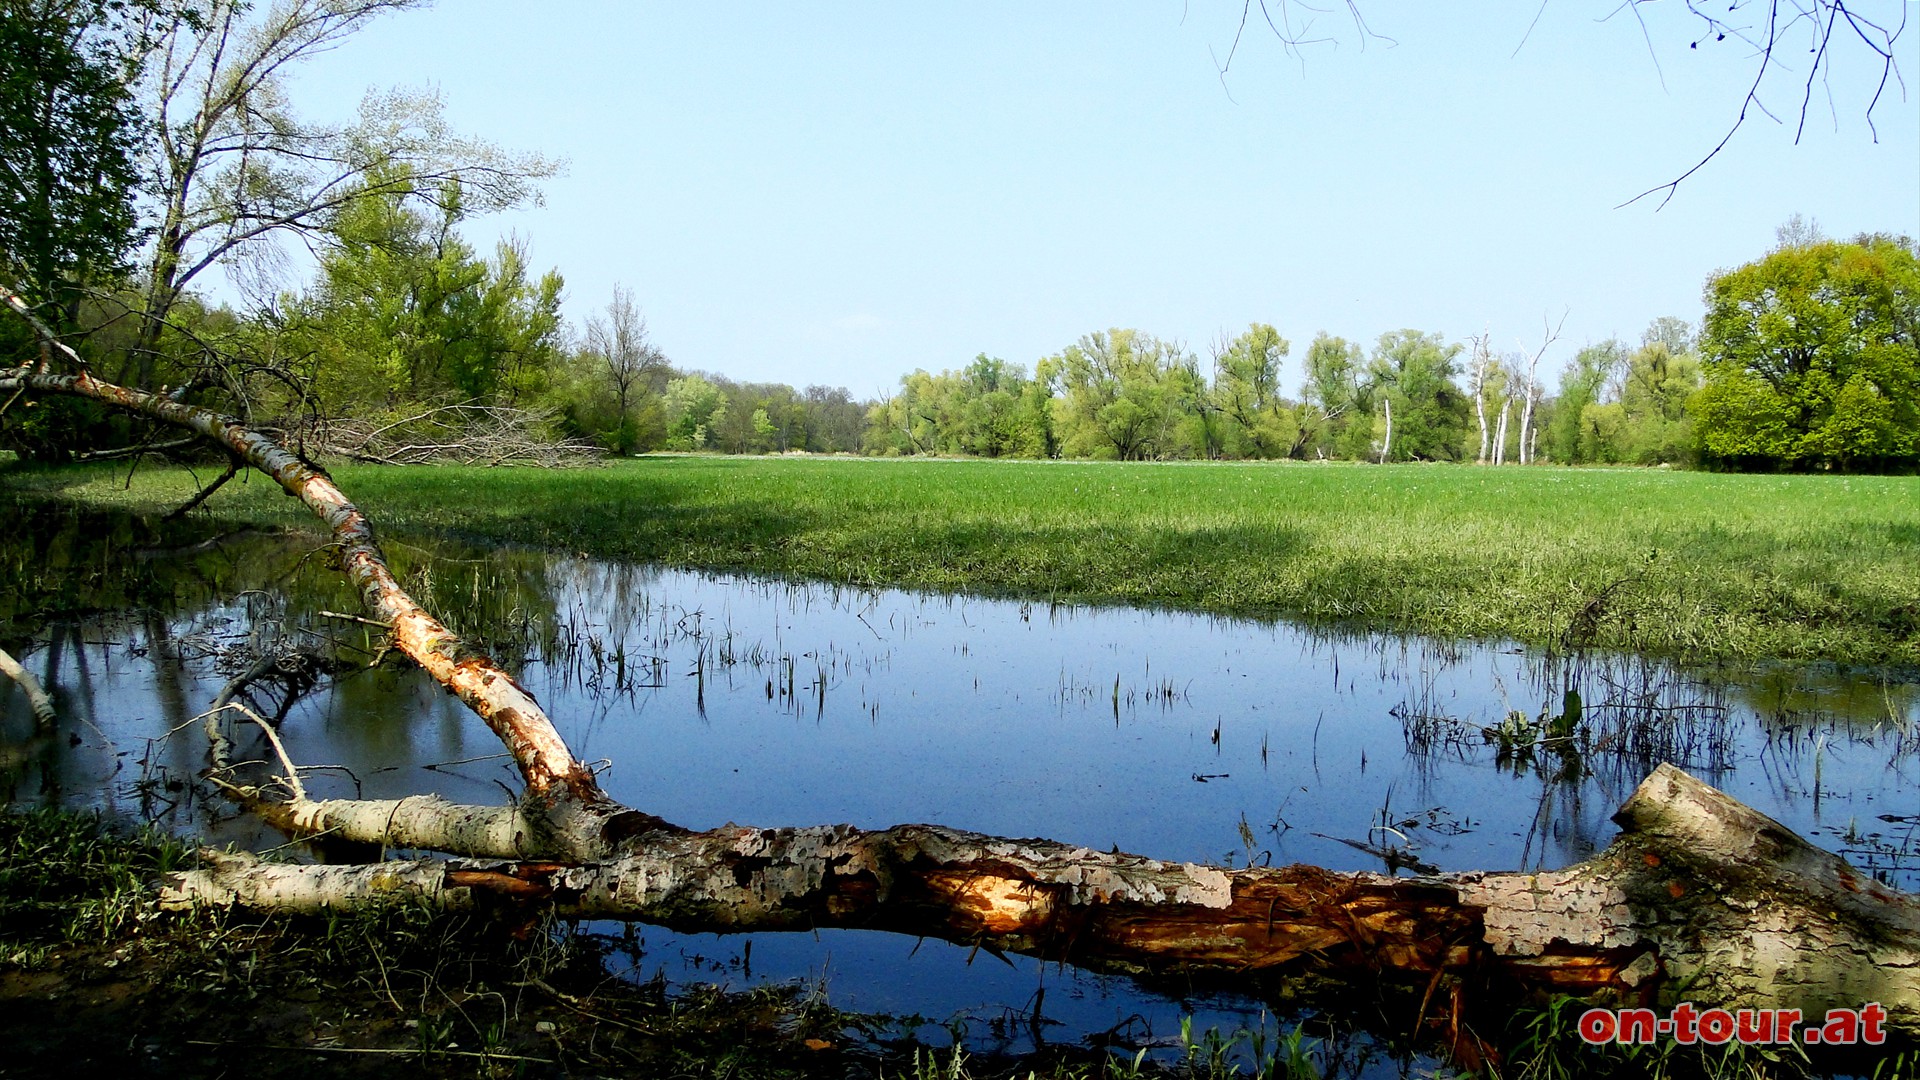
(841, 196)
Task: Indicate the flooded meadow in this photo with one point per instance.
(706, 699)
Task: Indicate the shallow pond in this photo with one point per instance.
(723, 698)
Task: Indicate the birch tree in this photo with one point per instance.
(1530, 387)
(1506, 408)
(1699, 894)
(231, 169)
(1478, 369)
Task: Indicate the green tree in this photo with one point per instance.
(405, 312)
(1572, 436)
(758, 418)
(1812, 359)
(1124, 395)
(1414, 371)
(1246, 391)
(695, 409)
(1671, 331)
(832, 421)
(1656, 428)
(69, 133)
(920, 419)
(1335, 396)
(999, 415)
(68, 145)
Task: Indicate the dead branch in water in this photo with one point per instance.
(1699, 891)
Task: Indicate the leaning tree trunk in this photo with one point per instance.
(1698, 891)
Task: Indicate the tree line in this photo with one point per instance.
(146, 143)
(1806, 359)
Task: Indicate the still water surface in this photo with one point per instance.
(727, 698)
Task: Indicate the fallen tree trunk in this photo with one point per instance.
(44, 716)
(1699, 891)
(564, 809)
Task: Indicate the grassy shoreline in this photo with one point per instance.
(1697, 566)
(95, 979)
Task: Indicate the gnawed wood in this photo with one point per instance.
(1698, 891)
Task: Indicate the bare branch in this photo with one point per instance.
(1822, 19)
(466, 434)
(233, 469)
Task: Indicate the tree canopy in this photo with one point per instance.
(1812, 360)
(69, 135)
(1415, 372)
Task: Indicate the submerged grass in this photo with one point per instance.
(95, 981)
(1700, 565)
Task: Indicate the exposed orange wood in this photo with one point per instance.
(507, 708)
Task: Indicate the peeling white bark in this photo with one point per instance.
(1698, 890)
(536, 828)
(506, 707)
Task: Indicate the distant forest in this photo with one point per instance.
(140, 158)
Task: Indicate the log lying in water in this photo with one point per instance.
(1699, 891)
(546, 765)
(563, 806)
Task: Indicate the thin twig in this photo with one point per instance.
(490, 1056)
(273, 739)
(233, 469)
(355, 618)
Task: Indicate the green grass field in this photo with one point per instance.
(1695, 565)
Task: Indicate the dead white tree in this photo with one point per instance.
(1530, 385)
(1698, 892)
(1508, 381)
(1480, 366)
